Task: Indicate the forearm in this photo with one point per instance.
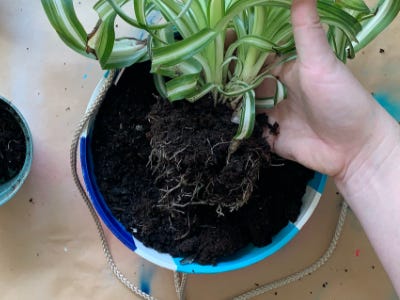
(372, 190)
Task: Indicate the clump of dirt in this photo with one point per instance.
(12, 145)
(165, 173)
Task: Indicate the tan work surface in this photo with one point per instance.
(49, 247)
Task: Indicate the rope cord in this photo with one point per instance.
(73, 160)
(180, 279)
(180, 284)
(307, 271)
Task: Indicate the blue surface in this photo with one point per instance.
(389, 103)
(146, 277)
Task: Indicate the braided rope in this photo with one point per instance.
(307, 271)
(73, 161)
(180, 284)
(180, 279)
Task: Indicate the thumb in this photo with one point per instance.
(311, 42)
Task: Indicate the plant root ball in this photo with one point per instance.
(190, 156)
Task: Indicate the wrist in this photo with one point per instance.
(375, 163)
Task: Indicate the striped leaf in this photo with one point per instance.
(62, 17)
(270, 102)
(280, 93)
(159, 83)
(172, 12)
(140, 11)
(181, 87)
(386, 12)
(104, 39)
(190, 66)
(104, 9)
(247, 116)
(125, 53)
(181, 50)
(201, 92)
(215, 11)
(254, 41)
(329, 14)
(116, 6)
(357, 5)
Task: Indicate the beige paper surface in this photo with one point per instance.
(49, 247)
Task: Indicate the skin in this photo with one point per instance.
(331, 123)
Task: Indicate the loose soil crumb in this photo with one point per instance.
(179, 194)
(12, 145)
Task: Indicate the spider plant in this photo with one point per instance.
(187, 46)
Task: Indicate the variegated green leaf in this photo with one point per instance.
(62, 17)
(116, 5)
(386, 12)
(125, 53)
(215, 11)
(182, 87)
(172, 12)
(104, 9)
(280, 93)
(182, 50)
(329, 14)
(140, 11)
(159, 83)
(334, 16)
(265, 103)
(190, 66)
(357, 5)
(201, 92)
(254, 41)
(247, 116)
(104, 39)
(270, 102)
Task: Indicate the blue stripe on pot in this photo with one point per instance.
(318, 182)
(10, 188)
(243, 258)
(90, 182)
(97, 198)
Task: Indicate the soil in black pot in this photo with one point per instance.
(167, 175)
(12, 144)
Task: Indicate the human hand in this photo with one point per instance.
(329, 122)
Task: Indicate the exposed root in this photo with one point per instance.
(198, 164)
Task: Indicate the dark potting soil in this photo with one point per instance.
(12, 145)
(165, 173)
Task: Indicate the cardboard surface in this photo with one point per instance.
(49, 247)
